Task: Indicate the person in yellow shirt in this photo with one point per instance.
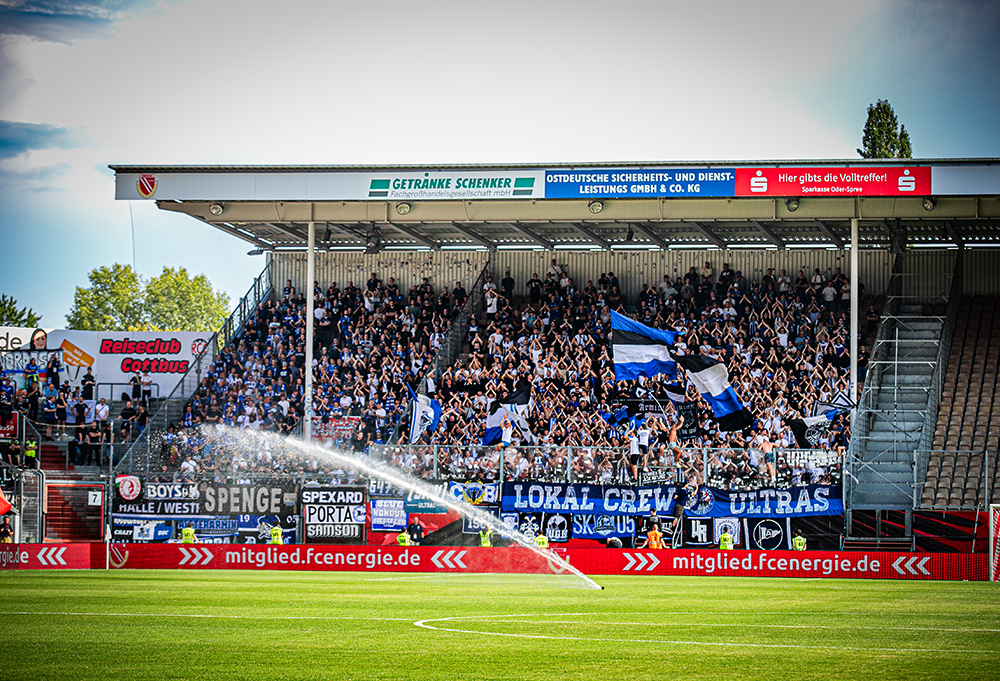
(276, 535)
(187, 535)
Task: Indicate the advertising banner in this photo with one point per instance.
(388, 515)
(10, 426)
(473, 526)
(589, 526)
(609, 183)
(795, 181)
(603, 561)
(333, 515)
(425, 185)
(144, 511)
(528, 497)
(114, 355)
(336, 429)
(475, 492)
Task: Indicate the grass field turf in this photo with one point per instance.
(338, 625)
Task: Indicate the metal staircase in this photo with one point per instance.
(902, 390)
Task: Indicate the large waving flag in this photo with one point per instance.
(640, 350)
(810, 430)
(514, 406)
(5, 505)
(711, 378)
(426, 415)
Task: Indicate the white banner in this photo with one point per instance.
(115, 356)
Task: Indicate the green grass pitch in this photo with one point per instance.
(327, 625)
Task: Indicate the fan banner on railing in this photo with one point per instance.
(618, 500)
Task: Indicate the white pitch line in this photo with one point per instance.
(204, 616)
(424, 624)
(741, 625)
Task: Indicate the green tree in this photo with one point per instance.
(176, 302)
(114, 301)
(119, 300)
(883, 136)
(11, 316)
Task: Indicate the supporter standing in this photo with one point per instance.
(89, 382)
(415, 530)
(654, 539)
(188, 536)
(276, 534)
(726, 540)
(507, 287)
(6, 533)
(798, 541)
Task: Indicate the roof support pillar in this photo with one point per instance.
(310, 306)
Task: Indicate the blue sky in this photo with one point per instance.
(85, 83)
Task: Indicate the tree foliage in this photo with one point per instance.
(883, 136)
(11, 316)
(119, 300)
(176, 302)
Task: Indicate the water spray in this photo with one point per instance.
(402, 480)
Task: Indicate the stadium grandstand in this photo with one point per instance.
(853, 304)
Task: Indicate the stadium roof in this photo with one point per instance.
(595, 206)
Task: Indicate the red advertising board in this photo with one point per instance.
(9, 430)
(457, 559)
(817, 564)
(46, 556)
(858, 181)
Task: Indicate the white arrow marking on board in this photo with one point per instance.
(642, 561)
(631, 562)
(653, 561)
(208, 556)
(458, 560)
(920, 565)
(41, 556)
(187, 556)
(434, 559)
(909, 564)
(197, 556)
(895, 566)
(58, 555)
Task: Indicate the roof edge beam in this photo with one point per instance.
(769, 234)
(587, 232)
(475, 236)
(420, 238)
(531, 234)
(707, 233)
(829, 234)
(648, 233)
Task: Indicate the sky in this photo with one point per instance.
(88, 83)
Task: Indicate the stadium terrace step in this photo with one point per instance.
(69, 518)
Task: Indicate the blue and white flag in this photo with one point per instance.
(426, 415)
(513, 409)
(640, 350)
(711, 378)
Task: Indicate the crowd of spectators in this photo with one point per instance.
(785, 341)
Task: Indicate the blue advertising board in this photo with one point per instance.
(609, 183)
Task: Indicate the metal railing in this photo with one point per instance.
(189, 382)
(727, 468)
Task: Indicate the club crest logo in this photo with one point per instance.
(146, 186)
(474, 493)
(129, 487)
(700, 502)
